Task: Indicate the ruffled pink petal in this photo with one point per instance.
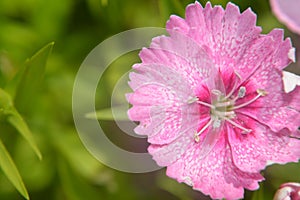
(292, 99)
(214, 175)
(182, 54)
(282, 56)
(227, 33)
(251, 151)
(278, 118)
(177, 24)
(247, 149)
(165, 155)
(268, 51)
(288, 13)
(160, 103)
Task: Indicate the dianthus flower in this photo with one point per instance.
(211, 99)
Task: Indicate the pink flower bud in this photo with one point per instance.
(288, 191)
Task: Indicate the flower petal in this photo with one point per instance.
(253, 150)
(182, 54)
(160, 103)
(214, 175)
(287, 12)
(278, 118)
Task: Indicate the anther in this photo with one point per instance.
(242, 92)
(196, 136)
(262, 92)
(192, 100)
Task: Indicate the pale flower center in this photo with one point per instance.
(223, 108)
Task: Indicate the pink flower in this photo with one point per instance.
(287, 11)
(210, 98)
(288, 191)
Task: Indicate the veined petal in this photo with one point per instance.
(215, 175)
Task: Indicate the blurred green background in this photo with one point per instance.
(67, 170)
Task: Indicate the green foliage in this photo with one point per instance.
(8, 166)
(9, 114)
(31, 77)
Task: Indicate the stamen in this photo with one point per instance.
(260, 92)
(206, 104)
(237, 125)
(216, 92)
(196, 136)
(224, 114)
(223, 104)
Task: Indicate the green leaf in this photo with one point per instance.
(9, 113)
(17, 121)
(30, 80)
(6, 103)
(115, 113)
(10, 170)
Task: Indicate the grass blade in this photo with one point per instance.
(10, 170)
(16, 120)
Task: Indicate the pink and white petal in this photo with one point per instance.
(283, 54)
(239, 32)
(282, 148)
(256, 56)
(227, 33)
(278, 118)
(187, 67)
(293, 99)
(268, 51)
(162, 114)
(186, 56)
(153, 94)
(177, 24)
(194, 17)
(214, 175)
(248, 151)
(268, 80)
(287, 12)
(164, 155)
(164, 95)
(252, 151)
(166, 77)
(273, 117)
